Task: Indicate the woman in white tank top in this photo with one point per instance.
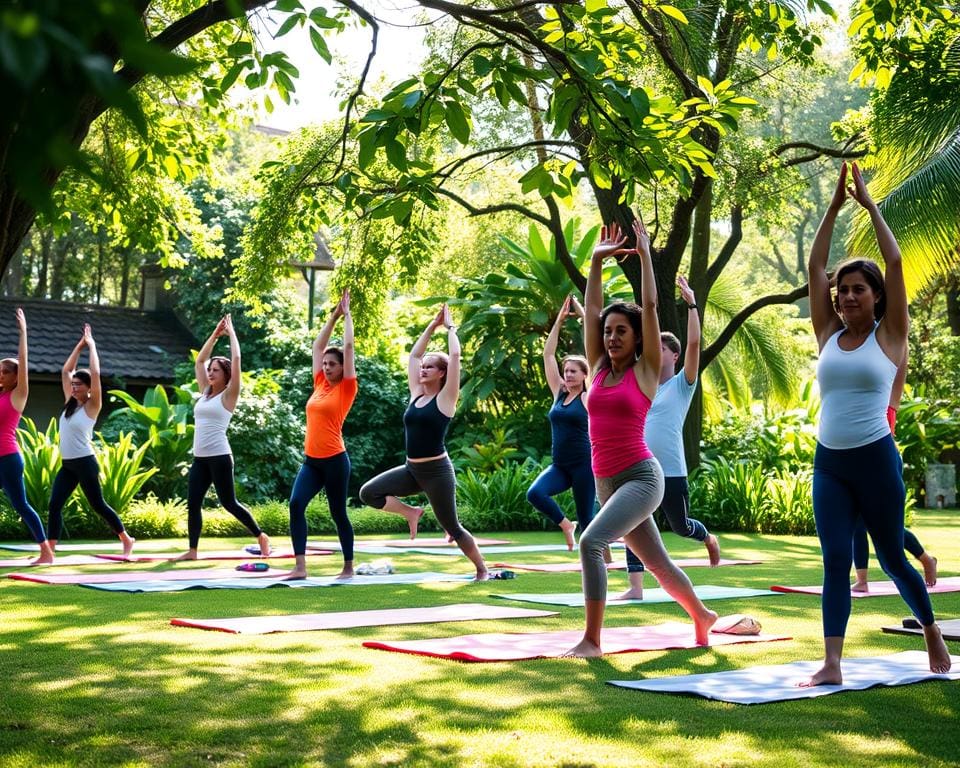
(219, 382)
(84, 396)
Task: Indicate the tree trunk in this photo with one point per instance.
(125, 277)
(953, 305)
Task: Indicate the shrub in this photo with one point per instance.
(41, 462)
(497, 500)
(151, 518)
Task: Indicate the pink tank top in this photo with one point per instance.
(617, 418)
(9, 419)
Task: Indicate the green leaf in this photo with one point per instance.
(457, 121)
(320, 45)
(673, 13)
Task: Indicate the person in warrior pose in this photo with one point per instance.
(219, 382)
(862, 336)
(570, 439)
(623, 348)
(14, 388)
(664, 436)
(84, 397)
(326, 464)
(434, 381)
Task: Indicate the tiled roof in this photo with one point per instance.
(133, 344)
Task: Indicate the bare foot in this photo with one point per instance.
(128, 542)
(449, 538)
(482, 575)
(713, 549)
(631, 594)
(940, 662)
(929, 570)
(583, 650)
(413, 520)
(46, 556)
(568, 528)
(860, 586)
(264, 542)
(190, 554)
(829, 674)
(295, 575)
(702, 626)
(346, 573)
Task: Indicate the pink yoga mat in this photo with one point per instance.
(24, 562)
(119, 576)
(233, 554)
(404, 543)
(878, 588)
(574, 565)
(262, 625)
(517, 647)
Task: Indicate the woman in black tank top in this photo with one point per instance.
(434, 381)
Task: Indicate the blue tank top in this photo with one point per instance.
(569, 430)
(424, 429)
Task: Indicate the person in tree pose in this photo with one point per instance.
(219, 381)
(84, 397)
(326, 463)
(664, 435)
(862, 337)
(570, 438)
(434, 381)
(14, 388)
(623, 348)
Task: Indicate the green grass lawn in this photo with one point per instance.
(93, 678)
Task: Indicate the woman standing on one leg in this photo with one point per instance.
(856, 469)
(434, 381)
(570, 438)
(219, 383)
(326, 465)
(84, 398)
(623, 347)
(14, 388)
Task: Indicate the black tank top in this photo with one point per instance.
(424, 429)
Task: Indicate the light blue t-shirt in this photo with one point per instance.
(664, 430)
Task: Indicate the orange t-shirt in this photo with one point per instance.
(327, 408)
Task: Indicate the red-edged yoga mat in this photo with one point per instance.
(24, 562)
(262, 625)
(574, 565)
(503, 646)
(174, 575)
(878, 588)
(405, 543)
(233, 554)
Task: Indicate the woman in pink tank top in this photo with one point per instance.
(623, 347)
(14, 387)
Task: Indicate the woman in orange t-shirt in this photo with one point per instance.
(326, 465)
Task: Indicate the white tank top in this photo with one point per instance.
(76, 434)
(854, 391)
(211, 420)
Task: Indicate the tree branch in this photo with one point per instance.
(726, 252)
(687, 85)
(482, 211)
(817, 151)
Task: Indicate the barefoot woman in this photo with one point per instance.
(856, 469)
(623, 348)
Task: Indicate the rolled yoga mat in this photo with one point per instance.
(575, 565)
(121, 577)
(761, 685)
(539, 645)
(575, 599)
(265, 583)
(303, 622)
(877, 588)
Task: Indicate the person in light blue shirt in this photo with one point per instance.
(664, 436)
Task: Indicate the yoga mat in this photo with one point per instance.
(132, 576)
(949, 627)
(262, 625)
(761, 685)
(508, 550)
(232, 554)
(575, 565)
(502, 646)
(24, 562)
(244, 583)
(575, 599)
(878, 588)
(105, 546)
(405, 543)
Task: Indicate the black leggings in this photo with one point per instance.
(218, 471)
(434, 478)
(84, 472)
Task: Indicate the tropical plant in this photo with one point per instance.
(121, 477)
(497, 500)
(41, 462)
(485, 457)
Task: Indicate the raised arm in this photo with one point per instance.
(323, 338)
(93, 405)
(691, 356)
(612, 243)
(550, 367)
(70, 365)
(18, 398)
(203, 356)
(349, 353)
(649, 321)
(418, 350)
(231, 395)
(825, 320)
(448, 396)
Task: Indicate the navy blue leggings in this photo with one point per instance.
(332, 475)
(676, 508)
(865, 483)
(11, 478)
(861, 551)
(84, 472)
(558, 478)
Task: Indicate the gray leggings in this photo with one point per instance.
(434, 478)
(628, 501)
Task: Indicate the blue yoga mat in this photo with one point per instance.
(267, 583)
(705, 592)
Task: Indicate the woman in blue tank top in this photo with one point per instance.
(862, 336)
(570, 438)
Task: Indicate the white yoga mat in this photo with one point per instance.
(268, 583)
(575, 599)
(762, 685)
(502, 550)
